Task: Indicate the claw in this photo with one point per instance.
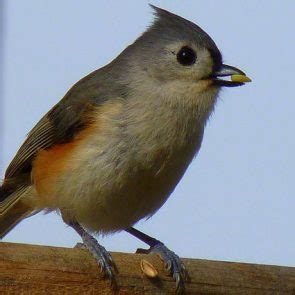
(101, 267)
(109, 274)
(185, 274)
(179, 286)
(177, 280)
(111, 259)
(168, 266)
(172, 264)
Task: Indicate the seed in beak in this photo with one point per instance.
(240, 78)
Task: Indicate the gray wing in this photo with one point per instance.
(41, 136)
(60, 124)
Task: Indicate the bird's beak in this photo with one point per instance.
(237, 77)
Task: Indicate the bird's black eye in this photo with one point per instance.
(186, 56)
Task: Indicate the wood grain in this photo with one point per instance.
(31, 269)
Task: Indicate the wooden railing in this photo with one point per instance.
(31, 269)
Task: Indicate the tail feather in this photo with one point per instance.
(14, 207)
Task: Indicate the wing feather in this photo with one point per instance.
(64, 120)
(40, 137)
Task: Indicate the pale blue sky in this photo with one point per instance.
(236, 202)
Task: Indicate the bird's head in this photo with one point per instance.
(174, 60)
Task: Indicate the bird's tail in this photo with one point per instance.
(15, 205)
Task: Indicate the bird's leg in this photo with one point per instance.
(103, 258)
(172, 261)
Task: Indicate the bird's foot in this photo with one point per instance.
(101, 255)
(172, 264)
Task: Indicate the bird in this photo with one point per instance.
(113, 149)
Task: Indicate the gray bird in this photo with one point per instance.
(113, 149)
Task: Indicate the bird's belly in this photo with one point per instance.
(105, 197)
(122, 208)
(120, 203)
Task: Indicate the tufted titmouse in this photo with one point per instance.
(113, 149)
